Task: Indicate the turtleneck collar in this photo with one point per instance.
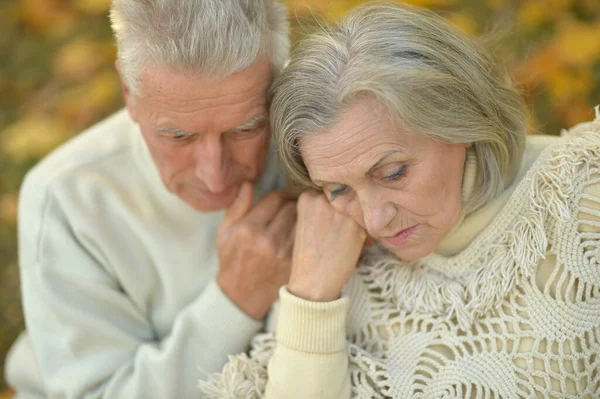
(458, 239)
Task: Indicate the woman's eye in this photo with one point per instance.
(334, 193)
(400, 172)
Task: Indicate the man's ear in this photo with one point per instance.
(127, 96)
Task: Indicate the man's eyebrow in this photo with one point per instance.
(245, 125)
(387, 154)
(169, 129)
(249, 124)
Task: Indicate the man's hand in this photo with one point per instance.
(255, 249)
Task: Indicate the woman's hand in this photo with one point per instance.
(326, 249)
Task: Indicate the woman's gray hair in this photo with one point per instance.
(432, 79)
(198, 36)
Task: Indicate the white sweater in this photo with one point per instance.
(118, 276)
(507, 307)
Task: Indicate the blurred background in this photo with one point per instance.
(57, 78)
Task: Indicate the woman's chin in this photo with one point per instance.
(411, 252)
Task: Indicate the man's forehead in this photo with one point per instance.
(163, 81)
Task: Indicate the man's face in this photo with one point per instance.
(206, 134)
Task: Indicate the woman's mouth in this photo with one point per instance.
(401, 237)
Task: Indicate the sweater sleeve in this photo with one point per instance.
(91, 340)
(310, 359)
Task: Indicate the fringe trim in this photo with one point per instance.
(517, 239)
(243, 377)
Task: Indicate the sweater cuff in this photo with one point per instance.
(313, 327)
(221, 315)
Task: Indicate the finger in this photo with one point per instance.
(283, 222)
(267, 208)
(240, 205)
(290, 239)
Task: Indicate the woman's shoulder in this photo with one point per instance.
(582, 137)
(577, 150)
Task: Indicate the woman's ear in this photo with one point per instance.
(127, 95)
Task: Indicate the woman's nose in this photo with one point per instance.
(377, 215)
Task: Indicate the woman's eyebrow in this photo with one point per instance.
(376, 164)
(383, 157)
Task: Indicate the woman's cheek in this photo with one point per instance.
(353, 210)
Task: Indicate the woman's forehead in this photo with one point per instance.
(363, 131)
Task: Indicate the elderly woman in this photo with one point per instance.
(485, 278)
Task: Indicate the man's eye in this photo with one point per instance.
(180, 136)
(243, 133)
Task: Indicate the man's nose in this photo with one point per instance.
(211, 164)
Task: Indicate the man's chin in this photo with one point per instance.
(209, 202)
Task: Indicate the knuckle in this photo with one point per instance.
(273, 199)
(289, 208)
(244, 231)
(266, 245)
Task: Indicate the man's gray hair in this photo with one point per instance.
(219, 37)
(432, 79)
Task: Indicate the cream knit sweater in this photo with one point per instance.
(508, 306)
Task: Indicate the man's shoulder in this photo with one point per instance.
(99, 153)
(97, 145)
(107, 138)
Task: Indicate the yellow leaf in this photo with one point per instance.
(558, 5)
(464, 23)
(48, 17)
(80, 58)
(6, 395)
(104, 89)
(566, 85)
(430, 3)
(8, 208)
(86, 102)
(32, 137)
(576, 112)
(578, 43)
(307, 6)
(532, 14)
(537, 66)
(495, 4)
(92, 7)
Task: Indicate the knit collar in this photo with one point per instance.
(464, 231)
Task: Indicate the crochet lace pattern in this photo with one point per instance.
(518, 319)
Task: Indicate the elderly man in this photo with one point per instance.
(149, 251)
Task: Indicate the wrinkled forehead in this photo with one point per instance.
(162, 82)
(361, 136)
(199, 103)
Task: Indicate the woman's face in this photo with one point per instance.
(403, 188)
